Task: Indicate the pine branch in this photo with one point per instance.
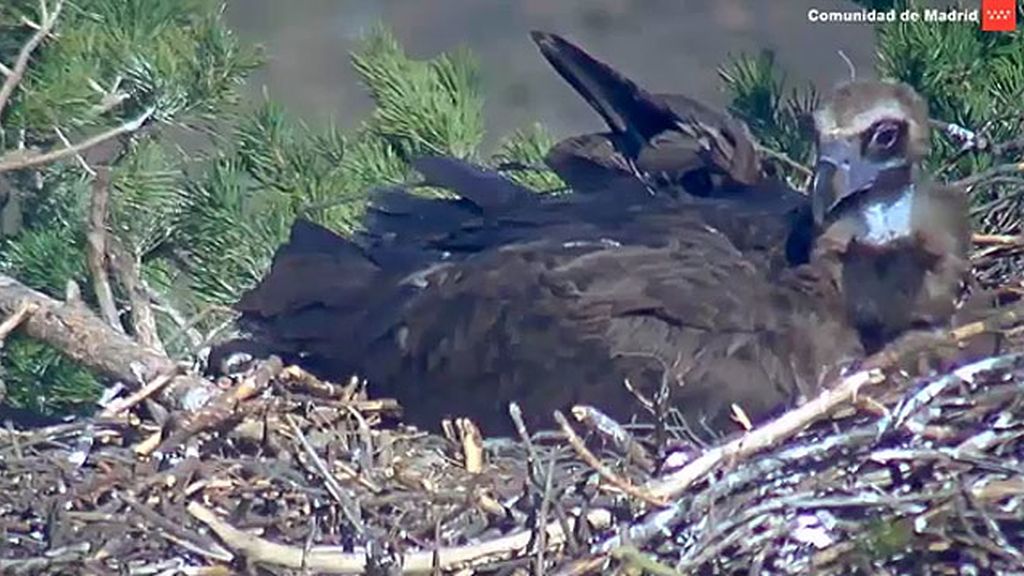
(47, 21)
(22, 159)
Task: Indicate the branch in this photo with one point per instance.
(1002, 169)
(96, 247)
(998, 240)
(764, 436)
(22, 159)
(15, 74)
(85, 338)
(844, 392)
(785, 159)
(334, 560)
(126, 267)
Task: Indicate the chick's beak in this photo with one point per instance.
(841, 171)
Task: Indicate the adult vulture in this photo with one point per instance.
(506, 296)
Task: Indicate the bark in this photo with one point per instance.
(84, 337)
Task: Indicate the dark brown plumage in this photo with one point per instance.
(560, 320)
(506, 296)
(662, 139)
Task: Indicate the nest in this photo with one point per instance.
(286, 474)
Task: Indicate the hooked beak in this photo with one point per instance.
(840, 172)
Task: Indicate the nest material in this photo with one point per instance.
(921, 476)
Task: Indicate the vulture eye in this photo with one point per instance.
(884, 137)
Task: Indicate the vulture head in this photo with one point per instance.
(898, 240)
(868, 133)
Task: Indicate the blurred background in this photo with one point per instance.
(666, 45)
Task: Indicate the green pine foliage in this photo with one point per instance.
(970, 77)
(778, 115)
(108, 63)
(520, 157)
(428, 107)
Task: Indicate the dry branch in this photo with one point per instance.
(47, 20)
(127, 269)
(332, 560)
(96, 247)
(22, 159)
(85, 338)
(15, 319)
(1000, 170)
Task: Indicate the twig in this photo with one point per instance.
(542, 515)
(334, 560)
(621, 439)
(975, 179)
(82, 163)
(785, 159)
(764, 436)
(126, 267)
(594, 462)
(22, 159)
(48, 19)
(96, 248)
(118, 406)
(998, 239)
(349, 506)
(185, 325)
(11, 323)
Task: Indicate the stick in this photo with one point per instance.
(126, 268)
(764, 436)
(998, 239)
(974, 179)
(96, 248)
(334, 560)
(85, 338)
(22, 159)
(11, 323)
(48, 19)
(118, 406)
(587, 456)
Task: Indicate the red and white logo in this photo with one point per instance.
(998, 15)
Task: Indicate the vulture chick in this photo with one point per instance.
(902, 239)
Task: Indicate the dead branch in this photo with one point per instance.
(120, 405)
(333, 560)
(126, 267)
(612, 478)
(785, 159)
(223, 408)
(11, 323)
(766, 435)
(85, 338)
(1000, 170)
(998, 240)
(47, 21)
(96, 248)
(831, 398)
(22, 159)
